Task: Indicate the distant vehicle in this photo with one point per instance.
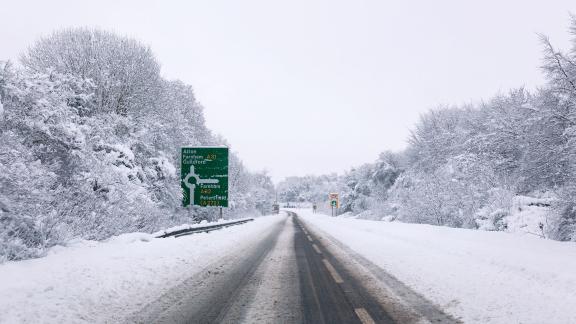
(276, 208)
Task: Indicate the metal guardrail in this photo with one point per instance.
(203, 229)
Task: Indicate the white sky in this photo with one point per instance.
(309, 87)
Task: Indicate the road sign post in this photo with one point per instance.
(204, 176)
(334, 202)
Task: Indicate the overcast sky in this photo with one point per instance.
(310, 87)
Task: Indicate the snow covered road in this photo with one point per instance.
(289, 276)
(272, 270)
(252, 285)
(91, 282)
(304, 268)
(476, 276)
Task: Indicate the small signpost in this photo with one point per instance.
(204, 176)
(334, 202)
(276, 208)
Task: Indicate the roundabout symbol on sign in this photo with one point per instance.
(192, 180)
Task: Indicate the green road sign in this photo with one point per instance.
(204, 176)
(333, 203)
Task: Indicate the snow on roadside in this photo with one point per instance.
(478, 276)
(92, 282)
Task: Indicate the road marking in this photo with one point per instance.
(332, 271)
(363, 315)
(309, 238)
(316, 248)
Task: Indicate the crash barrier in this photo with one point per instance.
(203, 229)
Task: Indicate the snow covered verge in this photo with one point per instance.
(103, 282)
(478, 276)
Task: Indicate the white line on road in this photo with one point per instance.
(363, 315)
(332, 271)
(316, 248)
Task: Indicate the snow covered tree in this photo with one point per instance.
(90, 137)
(125, 73)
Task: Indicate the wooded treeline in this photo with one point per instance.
(477, 166)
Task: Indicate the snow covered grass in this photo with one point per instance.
(478, 276)
(92, 282)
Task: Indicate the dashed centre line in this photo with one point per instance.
(361, 312)
(332, 271)
(363, 315)
(316, 249)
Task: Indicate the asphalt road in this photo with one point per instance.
(329, 293)
(293, 275)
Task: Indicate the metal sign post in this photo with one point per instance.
(204, 176)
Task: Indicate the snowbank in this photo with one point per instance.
(91, 282)
(478, 276)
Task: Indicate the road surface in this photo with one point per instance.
(295, 274)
